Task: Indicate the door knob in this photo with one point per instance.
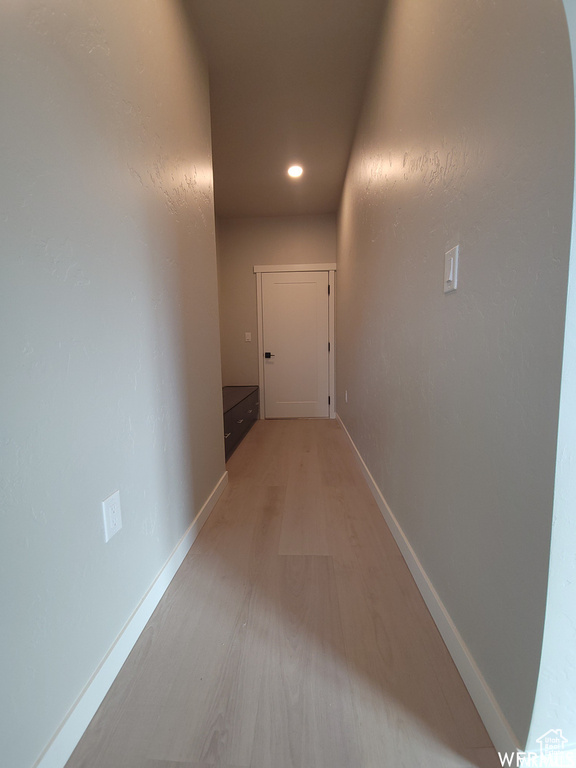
(268, 354)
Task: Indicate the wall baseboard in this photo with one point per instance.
(64, 741)
(492, 716)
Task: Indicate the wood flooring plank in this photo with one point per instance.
(222, 731)
(357, 532)
(305, 717)
(304, 524)
(264, 455)
(388, 588)
(399, 692)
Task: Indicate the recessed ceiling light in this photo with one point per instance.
(295, 171)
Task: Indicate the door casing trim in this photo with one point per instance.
(326, 267)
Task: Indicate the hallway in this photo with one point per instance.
(292, 635)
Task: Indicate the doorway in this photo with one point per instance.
(295, 340)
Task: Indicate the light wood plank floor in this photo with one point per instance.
(293, 635)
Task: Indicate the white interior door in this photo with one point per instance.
(295, 335)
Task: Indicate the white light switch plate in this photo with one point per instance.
(451, 269)
(112, 515)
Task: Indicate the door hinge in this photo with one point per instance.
(328, 346)
(328, 399)
(328, 289)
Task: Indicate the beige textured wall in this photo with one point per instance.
(110, 343)
(466, 137)
(243, 243)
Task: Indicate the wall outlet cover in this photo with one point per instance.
(112, 515)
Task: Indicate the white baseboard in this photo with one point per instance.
(492, 716)
(64, 741)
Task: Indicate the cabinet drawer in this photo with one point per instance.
(238, 420)
(251, 406)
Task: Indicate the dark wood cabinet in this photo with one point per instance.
(241, 411)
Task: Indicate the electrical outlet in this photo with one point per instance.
(112, 515)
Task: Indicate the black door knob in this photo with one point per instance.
(268, 354)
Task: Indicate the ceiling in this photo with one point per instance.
(286, 83)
